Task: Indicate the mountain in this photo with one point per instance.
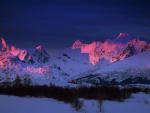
(15, 61)
(118, 60)
(132, 70)
(123, 38)
(117, 49)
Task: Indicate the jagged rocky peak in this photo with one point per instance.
(77, 44)
(39, 48)
(123, 38)
(15, 51)
(41, 54)
(123, 34)
(3, 45)
(3, 42)
(23, 55)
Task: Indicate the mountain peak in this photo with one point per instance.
(123, 38)
(3, 42)
(77, 44)
(39, 48)
(3, 45)
(15, 51)
(41, 54)
(123, 35)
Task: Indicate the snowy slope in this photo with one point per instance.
(137, 65)
(13, 104)
(74, 64)
(85, 59)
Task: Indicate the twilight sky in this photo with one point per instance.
(56, 24)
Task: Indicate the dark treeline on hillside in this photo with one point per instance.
(97, 80)
(68, 94)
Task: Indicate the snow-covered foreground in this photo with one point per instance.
(139, 103)
(15, 104)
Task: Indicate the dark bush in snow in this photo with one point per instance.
(77, 104)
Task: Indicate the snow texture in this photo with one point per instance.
(139, 103)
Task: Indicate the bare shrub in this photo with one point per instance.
(100, 105)
(27, 81)
(146, 101)
(18, 81)
(100, 100)
(7, 79)
(77, 104)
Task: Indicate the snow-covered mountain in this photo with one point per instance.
(121, 58)
(117, 49)
(15, 61)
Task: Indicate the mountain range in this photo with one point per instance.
(124, 59)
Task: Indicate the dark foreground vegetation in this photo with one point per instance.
(97, 80)
(69, 94)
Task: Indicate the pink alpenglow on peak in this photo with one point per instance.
(3, 43)
(15, 51)
(77, 44)
(113, 50)
(23, 54)
(123, 34)
(86, 48)
(39, 48)
(123, 38)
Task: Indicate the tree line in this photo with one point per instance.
(69, 94)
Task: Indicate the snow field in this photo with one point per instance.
(15, 104)
(138, 103)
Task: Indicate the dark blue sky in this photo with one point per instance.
(56, 24)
